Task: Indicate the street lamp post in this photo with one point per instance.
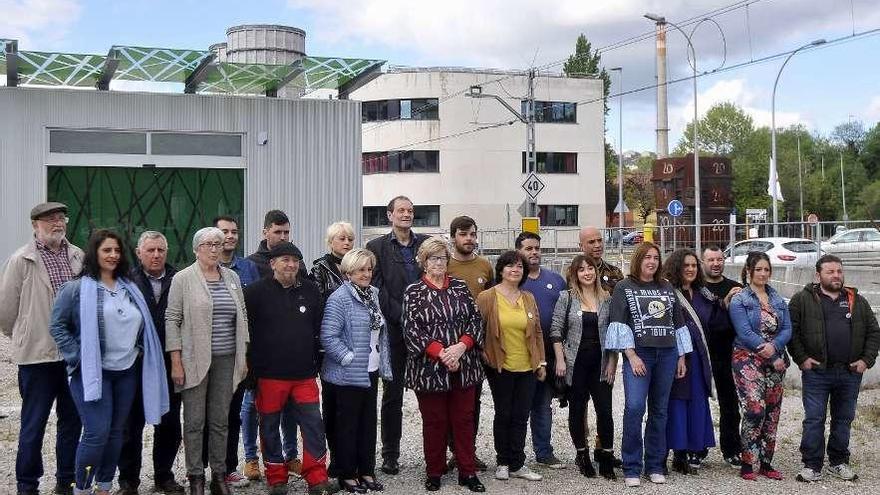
(773, 133)
(620, 162)
(697, 220)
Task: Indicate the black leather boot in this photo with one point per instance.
(218, 485)
(196, 485)
(585, 466)
(605, 459)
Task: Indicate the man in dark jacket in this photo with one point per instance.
(276, 229)
(153, 277)
(395, 269)
(835, 338)
(720, 336)
(284, 319)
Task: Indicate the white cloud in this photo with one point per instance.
(738, 92)
(32, 21)
(872, 113)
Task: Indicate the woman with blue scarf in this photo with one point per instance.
(101, 324)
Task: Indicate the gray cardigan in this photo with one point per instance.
(188, 324)
(575, 330)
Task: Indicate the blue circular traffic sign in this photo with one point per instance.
(675, 208)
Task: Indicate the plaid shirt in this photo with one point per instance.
(57, 264)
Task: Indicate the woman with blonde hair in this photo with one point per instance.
(580, 321)
(326, 270)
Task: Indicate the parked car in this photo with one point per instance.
(781, 250)
(859, 245)
(633, 238)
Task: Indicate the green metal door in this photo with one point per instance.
(174, 201)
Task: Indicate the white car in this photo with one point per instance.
(862, 245)
(781, 250)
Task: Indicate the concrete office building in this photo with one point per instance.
(417, 141)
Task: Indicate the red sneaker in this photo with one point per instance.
(750, 476)
(772, 474)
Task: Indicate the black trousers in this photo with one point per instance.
(166, 440)
(392, 403)
(232, 434)
(355, 453)
(512, 392)
(328, 412)
(721, 356)
(585, 385)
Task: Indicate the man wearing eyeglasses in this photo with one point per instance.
(28, 283)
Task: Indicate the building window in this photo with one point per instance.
(178, 143)
(553, 112)
(409, 109)
(552, 163)
(386, 162)
(113, 142)
(558, 215)
(424, 216)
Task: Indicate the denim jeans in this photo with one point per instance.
(41, 385)
(249, 431)
(841, 386)
(103, 424)
(541, 419)
(654, 387)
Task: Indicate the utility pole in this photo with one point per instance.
(531, 160)
(801, 184)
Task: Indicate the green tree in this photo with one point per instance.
(870, 201)
(586, 62)
(638, 192)
(723, 130)
(870, 155)
(850, 135)
(610, 179)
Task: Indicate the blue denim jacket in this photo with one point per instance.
(745, 313)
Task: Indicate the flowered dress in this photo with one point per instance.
(759, 386)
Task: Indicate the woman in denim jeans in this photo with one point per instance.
(648, 327)
(763, 329)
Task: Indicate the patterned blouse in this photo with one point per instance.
(441, 316)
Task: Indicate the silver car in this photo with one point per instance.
(855, 245)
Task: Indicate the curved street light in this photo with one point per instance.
(774, 171)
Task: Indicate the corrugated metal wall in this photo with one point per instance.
(310, 167)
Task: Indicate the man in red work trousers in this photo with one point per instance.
(284, 319)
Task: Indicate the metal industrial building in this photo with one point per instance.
(171, 162)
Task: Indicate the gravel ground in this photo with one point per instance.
(714, 478)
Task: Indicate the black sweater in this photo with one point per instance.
(284, 325)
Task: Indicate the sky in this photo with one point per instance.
(819, 88)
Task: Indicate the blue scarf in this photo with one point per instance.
(153, 380)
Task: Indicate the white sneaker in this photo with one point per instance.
(807, 475)
(658, 478)
(236, 480)
(632, 482)
(502, 473)
(526, 474)
(842, 471)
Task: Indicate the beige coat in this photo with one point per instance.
(188, 324)
(26, 301)
(493, 349)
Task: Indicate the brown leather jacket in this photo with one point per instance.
(493, 350)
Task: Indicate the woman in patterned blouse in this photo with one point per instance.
(763, 329)
(443, 334)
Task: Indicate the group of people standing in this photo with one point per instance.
(239, 345)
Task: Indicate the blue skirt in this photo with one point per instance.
(689, 424)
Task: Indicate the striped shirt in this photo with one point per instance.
(223, 323)
(57, 264)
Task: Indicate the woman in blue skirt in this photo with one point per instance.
(689, 430)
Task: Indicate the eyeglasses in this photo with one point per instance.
(58, 218)
(437, 259)
(212, 246)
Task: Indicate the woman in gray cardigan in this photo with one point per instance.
(355, 341)
(206, 334)
(580, 319)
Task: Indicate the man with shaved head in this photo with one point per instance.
(592, 245)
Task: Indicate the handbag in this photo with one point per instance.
(560, 388)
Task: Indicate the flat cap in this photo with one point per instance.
(285, 249)
(46, 208)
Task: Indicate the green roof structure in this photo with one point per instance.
(196, 69)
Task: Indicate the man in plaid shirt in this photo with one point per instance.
(28, 283)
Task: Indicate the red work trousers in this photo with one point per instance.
(441, 412)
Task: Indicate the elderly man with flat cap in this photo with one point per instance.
(28, 283)
(592, 245)
(284, 319)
